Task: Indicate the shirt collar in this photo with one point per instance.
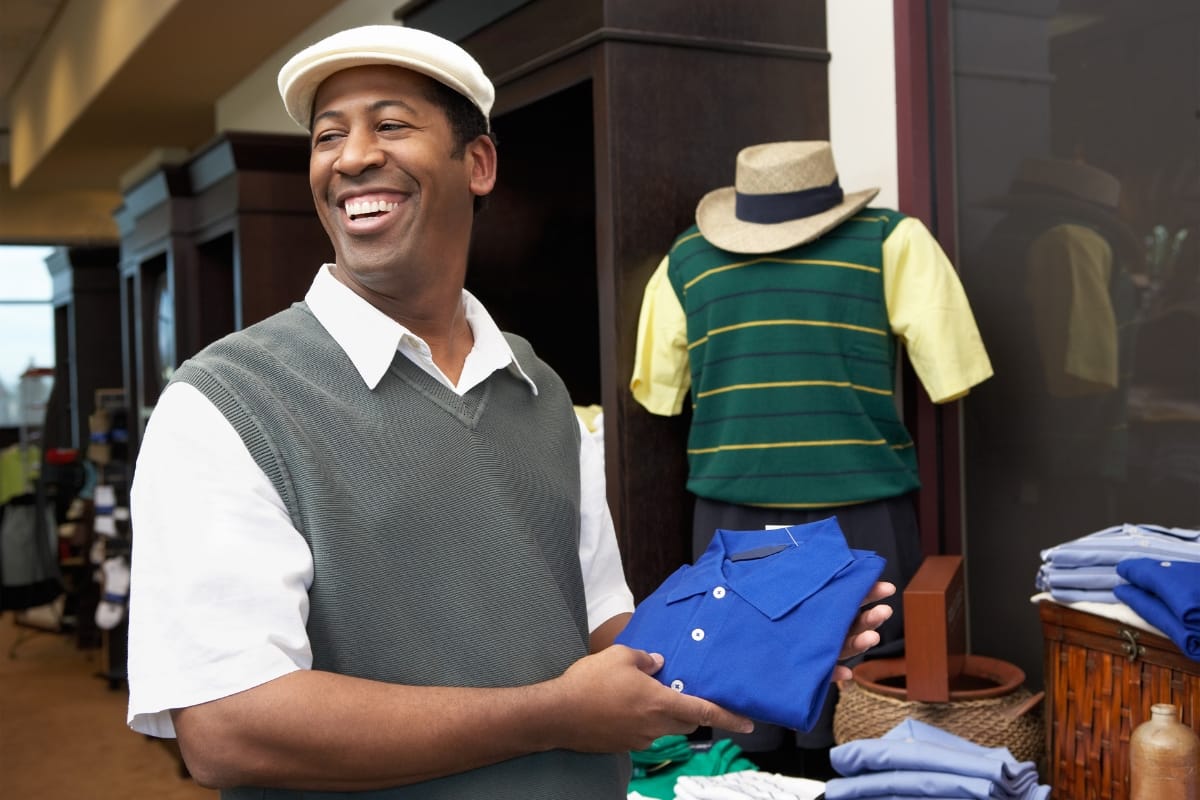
(370, 338)
(794, 564)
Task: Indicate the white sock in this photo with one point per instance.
(116, 593)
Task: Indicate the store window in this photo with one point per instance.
(1077, 134)
(27, 334)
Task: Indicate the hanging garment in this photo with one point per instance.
(29, 572)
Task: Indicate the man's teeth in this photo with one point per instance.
(357, 208)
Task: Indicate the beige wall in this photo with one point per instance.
(862, 95)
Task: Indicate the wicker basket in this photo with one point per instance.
(1006, 717)
(1102, 678)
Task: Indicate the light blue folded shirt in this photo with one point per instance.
(1075, 584)
(910, 783)
(1102, 578)
(1085, 596)
(756, 625)
(1112, 545)
(882, 755)
(916, 759)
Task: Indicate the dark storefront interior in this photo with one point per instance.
(1116, 86)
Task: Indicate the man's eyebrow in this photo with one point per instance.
(375, 107)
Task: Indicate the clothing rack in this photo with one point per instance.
(30, 579)
(108, 454)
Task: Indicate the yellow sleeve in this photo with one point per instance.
(1069, 271)
(660, 367)
(929, 312)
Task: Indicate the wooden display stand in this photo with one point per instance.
(935, 629)
(1102, 677)
(614, 118)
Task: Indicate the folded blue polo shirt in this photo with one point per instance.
(1165, 594)
(1175, 583)
(757, 623)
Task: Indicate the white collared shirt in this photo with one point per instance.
(220, 576)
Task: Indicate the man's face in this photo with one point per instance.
(392, 199)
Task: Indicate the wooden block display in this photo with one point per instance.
(1102, 677)
(935, 628)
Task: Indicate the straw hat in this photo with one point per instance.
(1057, 189)
(784, 194)
(414, 49)
(1038, 178)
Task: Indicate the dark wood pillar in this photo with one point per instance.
(924, 133)
(87, 332)
(614, 118)
(210, 246)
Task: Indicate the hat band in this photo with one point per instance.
(785, 206)
(1037, 187)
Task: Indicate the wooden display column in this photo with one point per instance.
(614, 118)
(87, 332)
(210, 246)
(154, 222)
(257, 237)
(87, 338)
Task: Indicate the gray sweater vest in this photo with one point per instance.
(444, 530)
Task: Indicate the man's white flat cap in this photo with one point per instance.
(411, 48)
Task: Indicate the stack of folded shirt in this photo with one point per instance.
(1165, 593)
(1085, 569)
(915, 759)
(657, 768)
(747, 786)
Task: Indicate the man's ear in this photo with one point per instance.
(481, 160)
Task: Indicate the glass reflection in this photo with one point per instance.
(1079, 208)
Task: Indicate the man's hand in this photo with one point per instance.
(862, 635)
(610, 703)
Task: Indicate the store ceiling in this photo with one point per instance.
(22, 26)
(102, 84)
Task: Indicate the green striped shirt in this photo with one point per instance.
(792, 362)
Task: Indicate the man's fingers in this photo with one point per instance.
(869, 620)
(862, 635)
(859, 643)
(879, 591)
(703, 713)
(649, 663)
(873, 617)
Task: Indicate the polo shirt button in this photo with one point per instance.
(719, 592)
(698, 634)
(677, 685)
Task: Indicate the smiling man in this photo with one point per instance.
(373, 549)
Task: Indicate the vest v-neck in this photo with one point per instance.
(468, 408)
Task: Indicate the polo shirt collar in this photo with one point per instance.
(772, 570)
(371, 338)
